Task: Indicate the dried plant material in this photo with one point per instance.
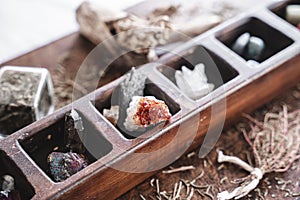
(191, 154)
(146, 111)
(132, 32)
(152, 182)
(142, 35)
(112, 114)
(183, 189)
(275, 144)
(63, 86)
(296, 195)
(26, 95)
(193, 83)
(180, 169)
(223, 179)
(142, 197)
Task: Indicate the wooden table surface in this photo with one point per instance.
(71, 50)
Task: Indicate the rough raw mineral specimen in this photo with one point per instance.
(64, 165)
(193, 83)
(112, 114)
(133, 85)
(8, 191)
(26, 95)
(145, 111)
(74, 132)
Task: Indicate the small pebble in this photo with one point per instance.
(293, 14)
(252, 63)
(255, 48)
(241, 43)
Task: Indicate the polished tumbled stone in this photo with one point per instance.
(293, 14)
(255, 48)
(241, 43)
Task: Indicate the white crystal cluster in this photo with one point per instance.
(130, 122)
(193, 83)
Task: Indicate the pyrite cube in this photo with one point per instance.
(26, 95)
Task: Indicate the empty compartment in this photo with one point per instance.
(274, 40)
(217, 70)
(151, 89)
(21, 184)
(280, 9)
(52, 139)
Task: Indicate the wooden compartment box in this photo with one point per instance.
(114, 156)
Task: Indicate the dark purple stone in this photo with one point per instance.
(13, 195)
(64, 165)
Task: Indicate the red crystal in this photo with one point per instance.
(152, 112)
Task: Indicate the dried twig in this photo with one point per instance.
(180, 169)
(275, 144)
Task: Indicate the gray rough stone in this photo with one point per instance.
(133, 85)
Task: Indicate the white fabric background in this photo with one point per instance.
(28, 24)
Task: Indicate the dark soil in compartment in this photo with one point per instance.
(280, 8)
(151, 89)
(275, 41)
(41, 144)
(8, 167)
(217, 70)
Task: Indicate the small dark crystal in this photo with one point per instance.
(74, 132)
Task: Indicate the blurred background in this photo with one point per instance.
(27, 25)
